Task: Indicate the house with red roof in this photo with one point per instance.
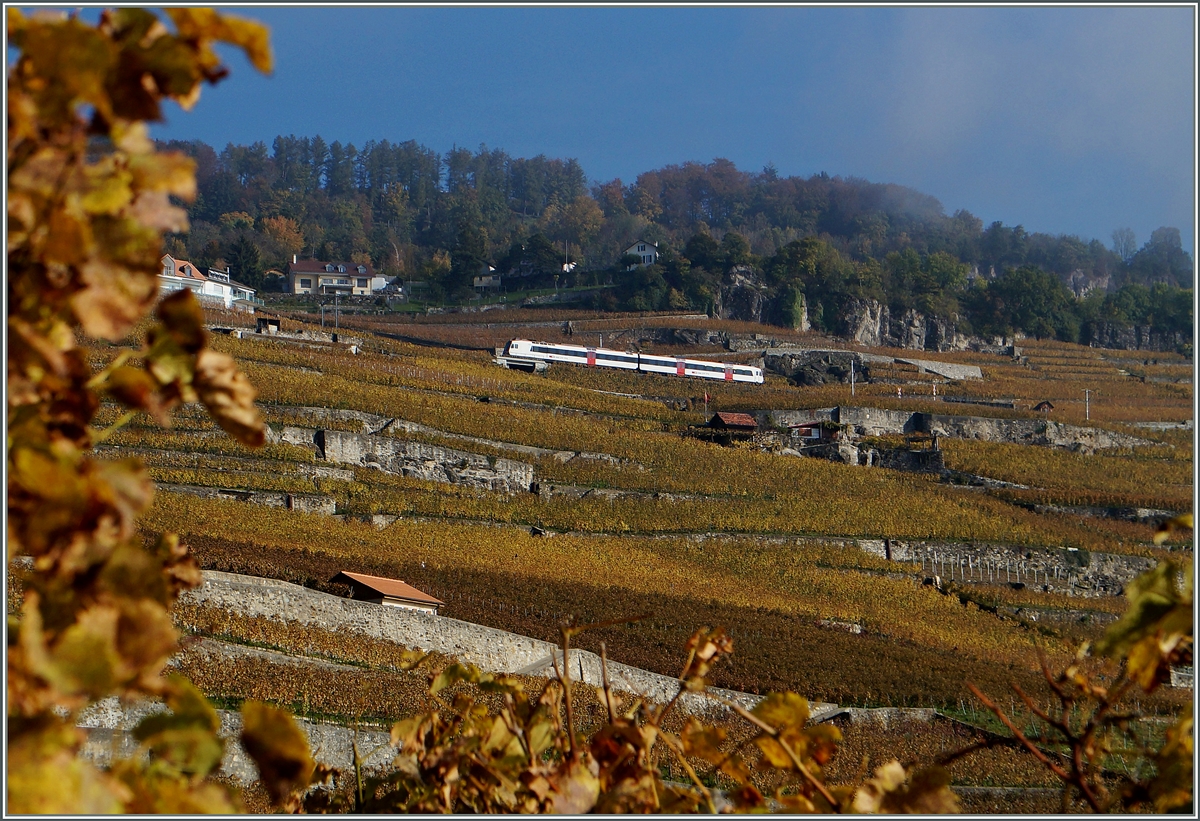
(390, 592)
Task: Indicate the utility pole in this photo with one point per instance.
(1087, 405)
(335, 316)
(852, 377)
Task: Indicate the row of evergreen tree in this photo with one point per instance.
(442, 218)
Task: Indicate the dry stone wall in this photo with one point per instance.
(1058, 570)
(423, 461)
(486, 647)
(880, 421)
(300, 502)
(1024, 432)
(109, 725)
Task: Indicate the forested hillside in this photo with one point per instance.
(812, 249)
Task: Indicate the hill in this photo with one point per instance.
(735, 244)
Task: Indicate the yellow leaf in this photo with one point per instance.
(46, 777)
(206, 24)
(85, 658)
(153, 209)
(229, 397)
(927, 792)
(278, 747)
(182, 320)
(703, 742)
(168, 171)
(783, 710)
(888, 778)
(1171, 526)
(773, 752)
(108, 189)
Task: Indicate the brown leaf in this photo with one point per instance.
(926, 792)
(183, 320)
(229, 397)
(576, 789)
(278, 747)
(135, 388)
(112, 300)
(704, 742)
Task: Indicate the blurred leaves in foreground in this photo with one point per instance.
(89, 198)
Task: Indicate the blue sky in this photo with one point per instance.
(1065, 120)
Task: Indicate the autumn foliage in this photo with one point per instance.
(89, 199)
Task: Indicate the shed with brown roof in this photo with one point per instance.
(392, 592)
(741, 422)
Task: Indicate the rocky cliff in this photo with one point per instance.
(1136, 338)
(423, 461)
(873, 324)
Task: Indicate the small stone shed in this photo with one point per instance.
(391, 592)
(733, 422)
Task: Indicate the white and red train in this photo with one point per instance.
(646, 363)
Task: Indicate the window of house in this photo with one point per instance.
(341, 269)
(362, 283)
(305, 283)
(641, 247)
(329, 267)
(362, 269)
(343, 282)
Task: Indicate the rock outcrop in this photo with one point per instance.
(742, 296)
(814, 366)
(1120, 337)
(868, 322)
(419, 460)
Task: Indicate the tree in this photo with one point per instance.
(1031, 300)
(284, 239)
(1124, 244)
(1163, 259)
(245, 262)
(89, 198)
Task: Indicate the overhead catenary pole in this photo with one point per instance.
(1087, 405)
(852, 377)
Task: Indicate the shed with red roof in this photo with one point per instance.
(392, 592)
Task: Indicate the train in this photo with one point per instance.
(523, 349)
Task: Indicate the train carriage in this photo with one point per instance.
(646, 363)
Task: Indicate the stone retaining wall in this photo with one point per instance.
(300, 502)
(1074, 572)
(423, 461)
(486, 647)
(110, 724)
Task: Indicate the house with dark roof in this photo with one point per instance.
(311, 276)
(733, 422)
(645, 251)
(1044, 406)
(390, 592)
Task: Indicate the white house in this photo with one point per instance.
(646, 251)
(178, 274)
(236, 294)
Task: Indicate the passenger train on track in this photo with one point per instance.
(523, 349)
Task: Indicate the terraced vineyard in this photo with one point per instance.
(642, 519)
